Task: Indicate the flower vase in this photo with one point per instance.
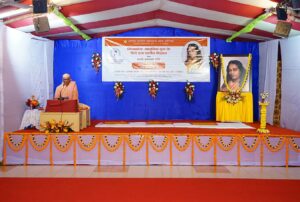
(263, 118)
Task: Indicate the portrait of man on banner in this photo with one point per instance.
(235, 74)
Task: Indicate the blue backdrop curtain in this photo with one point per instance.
(74, 57)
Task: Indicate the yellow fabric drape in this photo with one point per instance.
(241, 111)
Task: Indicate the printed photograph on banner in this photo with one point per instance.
(193, 58)
(235, 74)
(156, 58)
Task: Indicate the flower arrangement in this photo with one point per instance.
(153, 88)
(119, 89)
(233, 97)
(189, 90)
(264, 96)
(32, 102)
(56, 127)
(96, 61)
(214, 59)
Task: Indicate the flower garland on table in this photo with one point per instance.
(16, 146)
(138, 146)
(226, 147)
(153, 88)
(273, 148)
(61, 147)
(182, 147)
(214, 59)
(87, 146)
(232, 96)
(96, 61)
(252, 147)
(295, 146)
(56, 127)
(119, 90)
(189, 90)
(32, 102)
(110, 146)
(39, 146)
(162, 146)
(204, 147)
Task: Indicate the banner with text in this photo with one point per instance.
(156, 58)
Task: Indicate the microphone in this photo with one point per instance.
(60, 97)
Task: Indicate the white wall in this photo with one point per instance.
(1, 91)
(268, 55)
(27, 70)
(290, 106)
(290, 87)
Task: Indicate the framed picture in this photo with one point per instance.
(235, 73)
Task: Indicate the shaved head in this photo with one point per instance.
(66, 76)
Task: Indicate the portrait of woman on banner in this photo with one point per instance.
(194, 58)
(234, 74)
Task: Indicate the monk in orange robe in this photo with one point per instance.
(67, 90)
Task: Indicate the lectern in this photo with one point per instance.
(66, 110)
(62, 106)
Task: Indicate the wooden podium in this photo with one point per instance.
(67, 110)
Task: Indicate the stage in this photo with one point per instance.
(156, 143)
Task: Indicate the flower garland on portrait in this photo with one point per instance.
(153, 88)
(189, 90)
(32, 102)
(234, 96)
(119, 90)
(96, 61)
(214, 59)
(56, 127)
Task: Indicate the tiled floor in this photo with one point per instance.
(87, 171)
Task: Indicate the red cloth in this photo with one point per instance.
(62, 106)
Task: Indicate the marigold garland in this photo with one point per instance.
(275, 148)
(156, 147)
(226, 147)
(233, 97)
(204, 147)
(189, 90)
(139, 145)
(153, 88)
(111, 147)
(186, 143)
(252, 147)
(39, 146)
(89, 146)
(119, 90)
(59, 146)
(16, 146)
(294, 145)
